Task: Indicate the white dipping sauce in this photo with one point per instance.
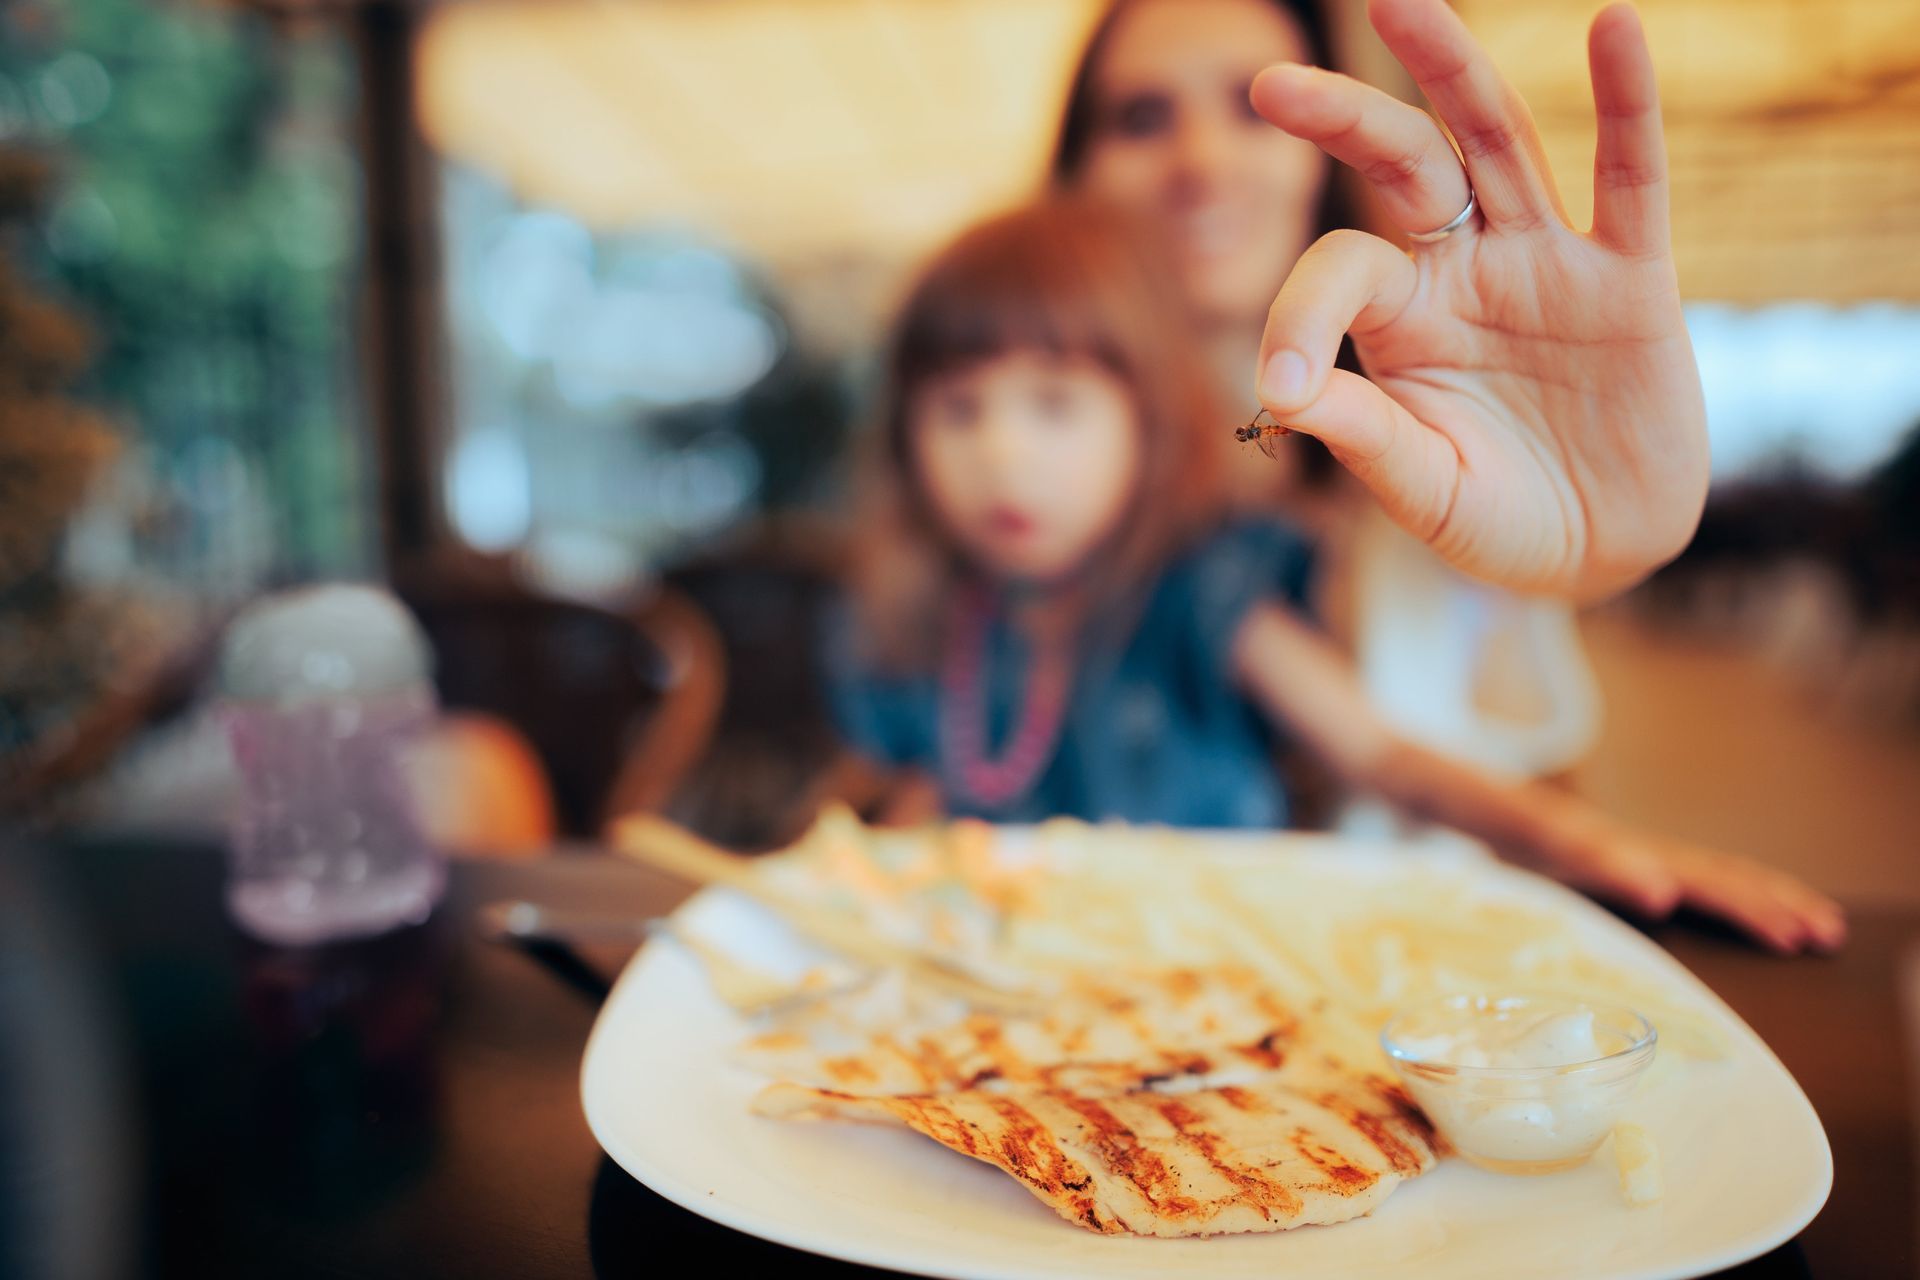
(1539, 1117)
(1547, 1040)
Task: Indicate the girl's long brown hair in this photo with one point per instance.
(1077, 280)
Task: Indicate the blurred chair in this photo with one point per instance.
(618, 706)
(775, 755)
(149, 688)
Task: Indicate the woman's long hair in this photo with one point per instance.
(1076, 280)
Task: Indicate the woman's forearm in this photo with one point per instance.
(1309, 688)
(1525, 821)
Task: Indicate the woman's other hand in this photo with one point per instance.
(1654, 875)
(1307, 687)
(1531, 408)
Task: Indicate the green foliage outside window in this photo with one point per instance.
(205, 224)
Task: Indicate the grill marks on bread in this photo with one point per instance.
(1176, 1104)
(1246, 1158)
(1113, 1036)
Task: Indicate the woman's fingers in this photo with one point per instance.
(1488, 120)
(1824, 921)
(1757, 912)
(1825, 931)
(1630, 158)
(1655, 876)
(1409, 162)
(1353, 282)
(1826, 926)
(1773, 907)
(1412, 470)
(1345, 281)
(1397, 148)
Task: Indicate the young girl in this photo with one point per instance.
(1049, 616)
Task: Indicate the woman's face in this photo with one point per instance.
(1028, 459)
(1175, 139)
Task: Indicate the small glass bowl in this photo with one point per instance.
(1519, 1119)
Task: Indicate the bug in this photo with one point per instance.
(1262, 433)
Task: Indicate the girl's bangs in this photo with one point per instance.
(986, 304)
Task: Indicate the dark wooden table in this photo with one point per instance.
(409, 1107)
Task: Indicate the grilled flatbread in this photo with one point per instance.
(1326, 1148)
(1098, 1035)
(1186, 1102)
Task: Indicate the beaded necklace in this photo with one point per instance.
(964, 711)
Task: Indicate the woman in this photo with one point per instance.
(1531, 408)
(1161, 120)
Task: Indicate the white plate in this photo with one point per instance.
(1747, 1164)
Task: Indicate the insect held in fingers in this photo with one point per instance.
(1263, 430)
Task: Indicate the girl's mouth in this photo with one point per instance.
(1010, 522)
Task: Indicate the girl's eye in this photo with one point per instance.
(956, 409)
(1142, 115)
(1053, 400)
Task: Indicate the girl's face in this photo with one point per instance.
(1175, 139)
(1028, 459)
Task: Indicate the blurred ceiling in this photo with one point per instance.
(1793, 127)
(835, 128)
(824, 128)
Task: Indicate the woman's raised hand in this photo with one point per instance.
(1531, 408)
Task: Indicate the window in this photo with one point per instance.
(203, 223)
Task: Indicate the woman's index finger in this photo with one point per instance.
(1489, 122)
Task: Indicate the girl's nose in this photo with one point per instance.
(1003, 447)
